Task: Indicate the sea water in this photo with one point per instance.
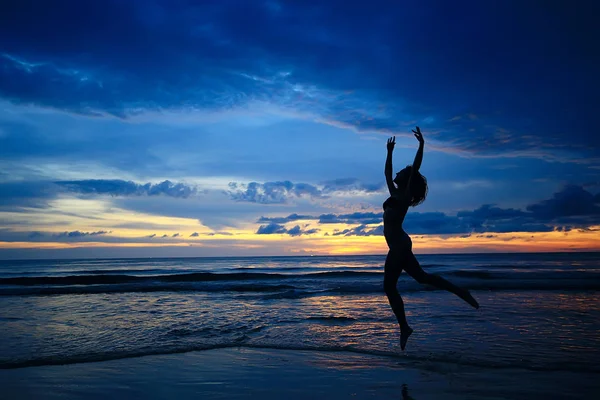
(538, 311)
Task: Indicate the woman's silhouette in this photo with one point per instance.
(408, 188)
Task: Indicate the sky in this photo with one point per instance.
(154, 128)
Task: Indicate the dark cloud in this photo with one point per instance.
(361, 230)
(283, 220)
(572, 201)
(151, 236)
(273, 228)
(118, 187)
(270, 229)
(571, 208)
(195, 234)
(18, 196)
(37, 236)
(489, 212)
(224, 233)
(336, 59)
(297, 231)
(79, 234)
(175, 235)
(415, 222)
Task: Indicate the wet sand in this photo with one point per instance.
(256, 373)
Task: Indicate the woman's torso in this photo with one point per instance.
(394, 212)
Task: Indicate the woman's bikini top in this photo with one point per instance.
(394, 211)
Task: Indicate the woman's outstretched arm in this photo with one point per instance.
(388, 166)
(418, 160)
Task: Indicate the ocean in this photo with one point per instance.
(538, 311)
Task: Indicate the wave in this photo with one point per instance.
(278, 285)
(140, 288)
(190, 277)
(416, 361)
(472, 274)
(99, 277)
(145, 271)
(288, 291)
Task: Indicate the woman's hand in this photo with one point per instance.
(419, 135)
(391, 142)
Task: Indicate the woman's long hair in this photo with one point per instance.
(418, 186)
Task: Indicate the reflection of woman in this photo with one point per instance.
(408, 188)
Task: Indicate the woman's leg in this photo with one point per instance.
(413, 269)
(392, 272)
(393, 268)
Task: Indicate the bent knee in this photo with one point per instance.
(389, 287)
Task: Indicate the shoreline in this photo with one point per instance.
(402, 358)
(247, 373)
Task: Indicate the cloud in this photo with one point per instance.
(271, 192)
(118, 187)
(222, 233)
(79, 234)
(316, 61)
(283, 220)
(38, 236)
(19, 196)
(351, 184)
(281, 192)
(489, 212)
(297, 231)
(357, 217)
(35, 235)
(572, 201)
(572, 207)
(175, 235)
(273, 228)
(361, 230)
(195, 234)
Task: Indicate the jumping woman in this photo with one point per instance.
(408, 188)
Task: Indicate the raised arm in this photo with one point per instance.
(418, 160)
(388, 166)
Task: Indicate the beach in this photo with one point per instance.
(253, 373)
(298, 327)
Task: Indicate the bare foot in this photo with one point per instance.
(404, 334)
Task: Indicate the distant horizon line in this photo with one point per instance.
(289, 256)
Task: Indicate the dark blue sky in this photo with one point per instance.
(254, 110)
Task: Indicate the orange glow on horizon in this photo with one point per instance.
(321, 244)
